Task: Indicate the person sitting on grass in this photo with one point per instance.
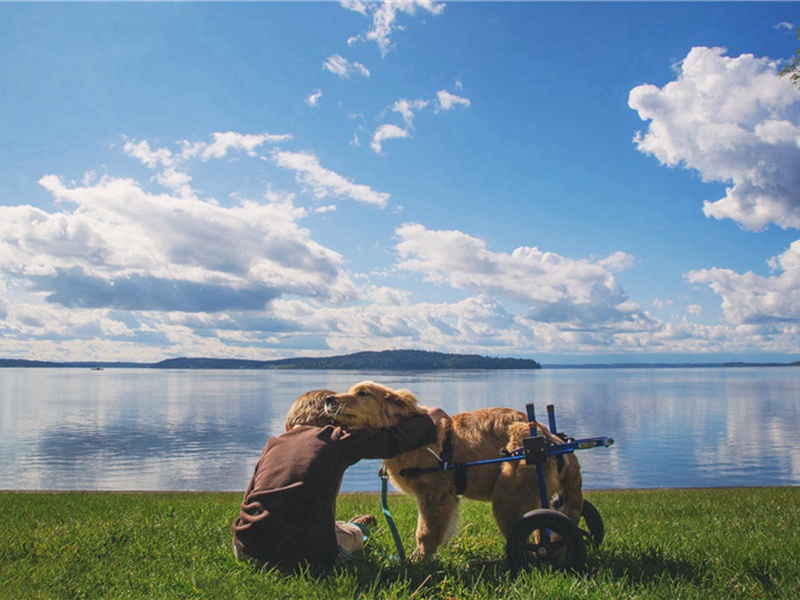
(287, 517)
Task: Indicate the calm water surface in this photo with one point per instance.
(140, 429)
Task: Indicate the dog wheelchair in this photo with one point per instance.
(541, 536)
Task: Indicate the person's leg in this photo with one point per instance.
(351, 535)
(350, 538)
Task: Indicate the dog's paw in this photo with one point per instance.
(417, 556)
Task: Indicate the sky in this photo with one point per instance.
(568, 182)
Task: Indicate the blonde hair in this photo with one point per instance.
(309, 409)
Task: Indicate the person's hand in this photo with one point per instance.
(436, 414)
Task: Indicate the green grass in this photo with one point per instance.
(730, 543)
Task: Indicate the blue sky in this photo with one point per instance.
(570, 182)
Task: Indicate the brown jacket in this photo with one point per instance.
(287, 516)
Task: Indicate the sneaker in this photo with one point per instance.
(364, 522)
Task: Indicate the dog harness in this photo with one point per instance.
(446, 464)
(459, 470)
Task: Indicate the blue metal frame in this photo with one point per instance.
(519, 454)
(535, 451)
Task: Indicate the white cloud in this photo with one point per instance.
(553, 288)
(173, 177)
(387, 132)
(230, 140)
(149, 157)
(694, 309)
(342, 68)
(733, 120)
(324, 182)
(313, 98)
(448, 101)
(126, 249)
(391, 320)
(408, 108)
(354, 5)
(751, 299)
(384, 17)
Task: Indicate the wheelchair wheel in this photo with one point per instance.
(591, 524)
(545, 536)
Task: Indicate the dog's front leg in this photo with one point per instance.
(437, 522)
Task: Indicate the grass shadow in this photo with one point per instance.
(646, 566)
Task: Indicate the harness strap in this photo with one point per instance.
(447, 447)
(461, 479)
(389, 520)
(460, 469)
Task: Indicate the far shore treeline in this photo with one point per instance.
(387, 360)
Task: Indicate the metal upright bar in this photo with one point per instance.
(540, 477)
(531, 418)
(551, 419)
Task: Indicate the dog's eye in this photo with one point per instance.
(361, 393)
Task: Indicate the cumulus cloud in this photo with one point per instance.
(390, 319)
(124, 248)
(324, 182)
(343, 68)
(733, 120)
(554, 288)
(384, 17)
(751, 299)
(387, 132)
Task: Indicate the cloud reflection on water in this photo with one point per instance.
(204, 430)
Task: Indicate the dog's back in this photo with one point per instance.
(470, 436)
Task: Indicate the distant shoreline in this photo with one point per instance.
(681, 365)
(388, 360)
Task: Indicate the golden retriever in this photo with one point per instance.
(511, 487)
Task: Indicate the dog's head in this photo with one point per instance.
(371, 405)
(309, 409)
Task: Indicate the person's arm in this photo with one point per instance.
(391, 441)
(436, 414)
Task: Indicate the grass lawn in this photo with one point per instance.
(715, 543)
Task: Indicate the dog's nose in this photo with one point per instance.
(329, 400)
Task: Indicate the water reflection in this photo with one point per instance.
(204, 430)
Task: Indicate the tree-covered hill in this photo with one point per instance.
(388, 360)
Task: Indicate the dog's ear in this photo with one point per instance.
(391, 397)
(401, 403)
(406, 397)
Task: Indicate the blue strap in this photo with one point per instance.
(364, 530)
(385, 506)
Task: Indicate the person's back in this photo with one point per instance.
(287, 517)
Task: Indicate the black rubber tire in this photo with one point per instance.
(591, 525)
(566, 553)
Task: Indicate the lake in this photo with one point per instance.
(149, 429)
